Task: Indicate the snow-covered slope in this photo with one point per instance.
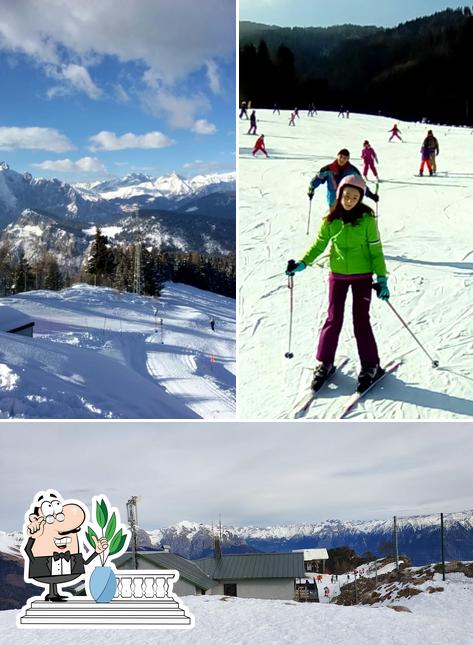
(98, 353)
(432, 618)
(425, 226)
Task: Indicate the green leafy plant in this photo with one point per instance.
(107, 522)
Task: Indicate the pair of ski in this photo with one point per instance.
(304, 405)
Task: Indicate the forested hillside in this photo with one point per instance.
(418, 69)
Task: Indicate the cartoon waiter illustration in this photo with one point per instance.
(52, 547)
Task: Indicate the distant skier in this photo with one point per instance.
(212, 324)
(296, 112)
(252, 129)
(369, 157)
(292, 119)
(333, 173)
(431, 143)
(355, 254)
(395, 132)
(259, 145)
(348, 113)
(243, 110)
(341, 112)
(276, 108)
(425, 160)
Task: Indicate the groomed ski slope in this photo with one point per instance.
(435, 618)
(97, 353)
(426, 229)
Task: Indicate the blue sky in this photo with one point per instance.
(94, 89)
(320, 13)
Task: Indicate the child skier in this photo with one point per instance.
(356, 253)
(395, 132)
(369, 157)
(259, 145)
(425, 159)
(252, 129)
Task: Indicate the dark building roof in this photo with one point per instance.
(188, 570)
(12, 320)
(254, 565)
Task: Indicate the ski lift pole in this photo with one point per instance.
(290, 285)
(308, 218)
(434, 362)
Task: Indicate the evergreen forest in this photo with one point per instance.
(419, 69)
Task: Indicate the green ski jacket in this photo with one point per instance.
(355, 249)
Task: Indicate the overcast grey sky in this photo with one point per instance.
(258, 474)
(320, 13)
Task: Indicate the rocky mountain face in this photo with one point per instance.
(418, 538)
(39, 215)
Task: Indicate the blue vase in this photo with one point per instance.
(102, 584)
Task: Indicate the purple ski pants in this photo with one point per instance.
(328, 339)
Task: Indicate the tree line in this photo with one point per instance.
(417, 69)
(117, 267)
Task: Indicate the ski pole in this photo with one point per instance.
(435, 363)
(290, 285)
(308, 219)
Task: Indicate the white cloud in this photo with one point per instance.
(120, 93)
(201, 126)
(86, 164)
(110, 141)
(80, 79)
(34, 139)
(180, 111)
(172, 37)
(213, 77)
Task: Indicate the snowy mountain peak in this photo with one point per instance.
(4, 165)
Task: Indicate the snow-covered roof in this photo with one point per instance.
(313, 554)
(12, 319)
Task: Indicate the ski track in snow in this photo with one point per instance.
(424, 225)
(97, 353)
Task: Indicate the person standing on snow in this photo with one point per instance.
(431, 143)
(276, 108)
(356, 253)
(425, 159)
(252, 129)
(243, 108)
(212, 324)
(395, 132)
(332, 174)
(291, 119)
(369, 157)
(259, 145)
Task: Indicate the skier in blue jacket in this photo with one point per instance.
(333, 173)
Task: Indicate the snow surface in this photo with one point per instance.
(425, 226)
(98, 353)
(435, 619)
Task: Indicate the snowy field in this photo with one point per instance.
(435, 618)
(425, 226)
(97, 353)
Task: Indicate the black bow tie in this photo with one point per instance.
(66, 555)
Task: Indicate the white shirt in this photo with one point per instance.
(60, 567)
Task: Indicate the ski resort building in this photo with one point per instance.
(254, 575)
(15, 322)
(314, 559)
(246, 575)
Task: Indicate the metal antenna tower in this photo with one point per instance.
(132, 515)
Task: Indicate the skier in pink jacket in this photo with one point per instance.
(369, 157)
